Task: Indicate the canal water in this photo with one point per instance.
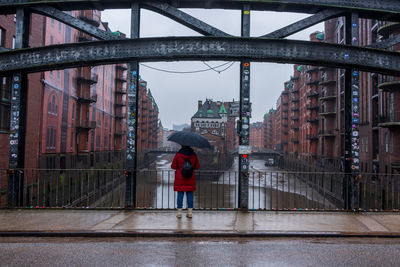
(269, 188)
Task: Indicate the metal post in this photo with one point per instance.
(133, 99)
(352, 92)
(18, 114)
(244, 117)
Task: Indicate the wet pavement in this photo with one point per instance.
(199, 252)
(204, 223)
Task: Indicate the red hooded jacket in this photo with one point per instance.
(184, 184)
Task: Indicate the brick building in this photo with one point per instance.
(216, 121)
(257, 135)
(76, 118)
(316, 105)
(269, 125)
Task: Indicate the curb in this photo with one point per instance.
(93, 234)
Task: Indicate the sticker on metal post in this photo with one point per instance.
(244, 150)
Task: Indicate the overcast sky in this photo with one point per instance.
(177, 94)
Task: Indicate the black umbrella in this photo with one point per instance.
(189, 139)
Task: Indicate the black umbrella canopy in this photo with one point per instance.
(189, 139)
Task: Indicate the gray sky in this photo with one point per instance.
(177, 94)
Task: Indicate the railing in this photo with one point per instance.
(40, 188)
(272, 190)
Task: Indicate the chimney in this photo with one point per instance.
(200, 103)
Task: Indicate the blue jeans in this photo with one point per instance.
(189, 198)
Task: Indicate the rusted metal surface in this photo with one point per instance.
(184, 18)
(366, 7)
(304, 23)
(75, 23)
(199, 48)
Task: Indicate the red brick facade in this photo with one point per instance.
(316, 107)
(75, 117)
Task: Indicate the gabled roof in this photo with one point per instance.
(208, 109)
(222, 110)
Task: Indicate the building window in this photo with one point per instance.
(386, 143)
(362, 144)
(2, 37)
(73, 111)
(5, 103)
(51, 138)
(59, 27)
(52, 22)
(13, 43)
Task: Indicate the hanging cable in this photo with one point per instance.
(194, 71)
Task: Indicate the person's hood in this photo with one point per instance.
(187, 151)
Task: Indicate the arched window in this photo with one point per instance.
(53, 102)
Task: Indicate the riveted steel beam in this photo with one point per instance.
(75, 23)
(304, 24)
(386, 43)
(200, 48)
(382, 9)
(184, 18)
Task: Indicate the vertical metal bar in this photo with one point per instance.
(294, 190)
(63, 188)
(288, 191)
(244, 118)
(323, 186)
(31, 188)
(19, 188)
(18, 113)
(271, 190)
(253, 190)
(211, 196)
(133, 102)
(277, 192)
(1, 190)
(81, 189)
(223, 189)
(217, 187)
(38, 191)
(162, 189)
(229, 187)
(119, 188)
(235, 183)
(168, 187)
(57, 177)
(70, 188)
(259, 190)
(44, 189)
(199, 191)
(265, 190)
(387, 191)
(88, 190)
(312, 192)
(25, 194)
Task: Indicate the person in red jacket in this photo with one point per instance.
(185, 184)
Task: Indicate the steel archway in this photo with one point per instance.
(383, 9)
(199, 48)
